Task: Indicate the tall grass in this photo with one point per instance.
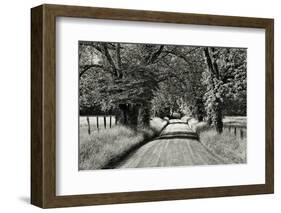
(226, 145)
(100, 148)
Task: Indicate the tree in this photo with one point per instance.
(184, 68)
(132, 94)
(225, 78)
(128, 87)
(135, 80)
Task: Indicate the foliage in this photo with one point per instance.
(140, 80)
(182, 91)
(225, 79)
(128, 81)
(136, 87)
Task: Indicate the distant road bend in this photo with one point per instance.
(177, 145)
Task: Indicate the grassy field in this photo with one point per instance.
(230, 147)
(93, 121)
(83, 127)
(239, 121)
(100, 148)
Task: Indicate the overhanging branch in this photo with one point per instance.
(181, 55)
(85, 68)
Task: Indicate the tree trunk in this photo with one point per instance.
(104, 121)
(144, 115)
(128, 114)
(133, 114)
(209, 120)
(199, 109)
(122, 114)
(98, 122)
(89, 126)
(215, 113)
(200, 118)
(217, 117)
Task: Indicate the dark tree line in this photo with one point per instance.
(137, 81)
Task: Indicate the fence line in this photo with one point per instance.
(97, 122)
(238, 131)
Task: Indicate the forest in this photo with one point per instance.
(136, 82)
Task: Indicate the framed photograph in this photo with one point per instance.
(136, 106)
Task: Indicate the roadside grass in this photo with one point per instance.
(157, 124)
(186, 119)
(229, 147)
(98, 149)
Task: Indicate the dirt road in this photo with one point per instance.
(177, 145)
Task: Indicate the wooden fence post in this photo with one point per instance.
(89, 126)
(104, 121)
(98, 122)
(241, 134)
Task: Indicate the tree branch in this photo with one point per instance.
(155, 55)
(110, 60)
(181, 55)
(169, 75)
(85, 68)
(118, 56)
(211, 63)
(216, 68)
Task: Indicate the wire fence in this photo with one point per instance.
(98, 122)
(238, 131)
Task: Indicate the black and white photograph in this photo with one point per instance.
(158, 105)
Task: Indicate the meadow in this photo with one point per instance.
(101, 148)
